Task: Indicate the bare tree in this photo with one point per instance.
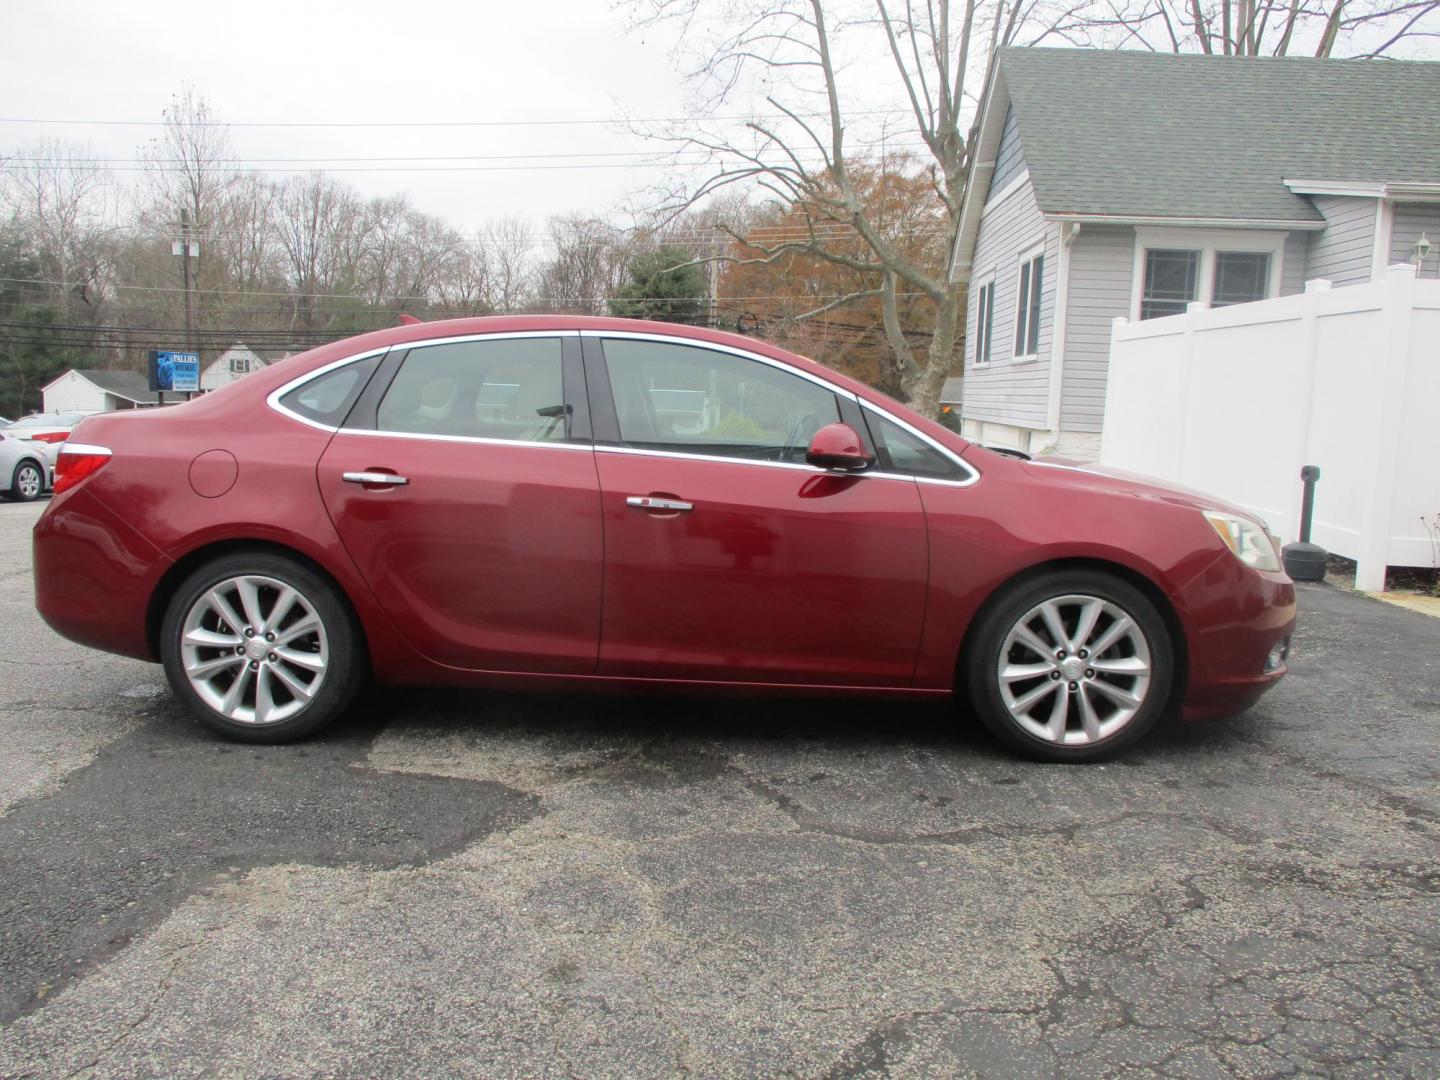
(585, 268)
(244, 234)
(190, 171)
(796, 52)
(67, 206)
(320, 227)
(1322, 28)
(508, 244)
(464, 286)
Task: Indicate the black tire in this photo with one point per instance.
(984, 684)
(27, 471)
(345, 668)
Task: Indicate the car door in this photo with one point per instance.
(463, 485)
(727, 557)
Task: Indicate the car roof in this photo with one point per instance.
(285, 371)
(493, 324)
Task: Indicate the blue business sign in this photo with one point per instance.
(178, 371)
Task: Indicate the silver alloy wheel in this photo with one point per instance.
(27, 481)
(254, 649)
(1074, 670)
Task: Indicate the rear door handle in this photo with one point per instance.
(651, 502)
(378, 479)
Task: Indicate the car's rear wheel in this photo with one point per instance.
(27, 482)
(261, 648)
(1071, 666)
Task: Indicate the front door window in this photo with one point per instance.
(684, 399)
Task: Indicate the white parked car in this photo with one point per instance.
(41, 435)
(25, 468)
(45, 433)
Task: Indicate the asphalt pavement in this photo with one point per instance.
(477, 884)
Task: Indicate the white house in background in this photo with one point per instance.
(93, 390)
(1132, 185)
(234, 363)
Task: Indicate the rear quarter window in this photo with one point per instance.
(328, 398)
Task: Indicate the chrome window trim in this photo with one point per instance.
(680, 455)
(813, 470)
(715, 346)
(477, 439)
(936, 481)
(273, 398)
(973, 474)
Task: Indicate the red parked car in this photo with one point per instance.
(564, 503)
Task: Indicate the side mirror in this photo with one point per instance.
(836, 446)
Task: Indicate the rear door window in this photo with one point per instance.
(510, 389)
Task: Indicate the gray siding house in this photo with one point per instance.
(1128, 184)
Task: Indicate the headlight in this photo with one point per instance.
(1249, 541)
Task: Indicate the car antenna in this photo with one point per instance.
(407, 319)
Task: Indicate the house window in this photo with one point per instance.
(1171, 281)
(1176, 267)
(238, 365)
(1027, 307)
(1240, 277)
(984, 321)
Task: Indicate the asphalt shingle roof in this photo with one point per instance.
(127, 384)
(1142, 134)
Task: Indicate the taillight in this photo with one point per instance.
(76, 462)
(50, 436)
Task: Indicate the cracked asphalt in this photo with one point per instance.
(495, 885)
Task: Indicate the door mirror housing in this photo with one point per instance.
(837, 446)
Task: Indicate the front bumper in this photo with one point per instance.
(1234, 618)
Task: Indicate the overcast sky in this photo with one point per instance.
(262, 61)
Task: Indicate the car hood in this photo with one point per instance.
(1120, 482)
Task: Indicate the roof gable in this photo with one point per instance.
(130, 385)
(1192, 136)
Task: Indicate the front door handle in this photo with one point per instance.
(652, 502)
(375, 479)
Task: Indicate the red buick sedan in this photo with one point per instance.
(565, 503)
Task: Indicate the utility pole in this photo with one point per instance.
(715, 249)
(187, 250)
(185, 254)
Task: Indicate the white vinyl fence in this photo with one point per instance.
(1235, 400)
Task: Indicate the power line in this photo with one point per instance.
(379, 299)
(69, 159)
(571, 122)
(381, 168)
(259, 170)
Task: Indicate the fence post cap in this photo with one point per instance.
(1318, 284)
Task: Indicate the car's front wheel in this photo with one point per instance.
(27, 482)
(1071, 666)
(261, 648)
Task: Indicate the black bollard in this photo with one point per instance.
(1305, 561)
